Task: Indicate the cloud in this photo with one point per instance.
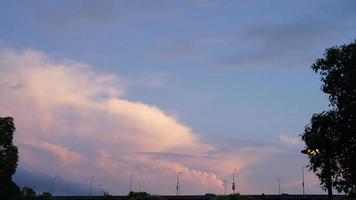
(296, 42)
(150, 80)
(63, 154)
(290, 141)
(43, 183)
(71, 16)
(75, 122)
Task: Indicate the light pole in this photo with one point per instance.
(91, 183)
(233, 181)
(303, 183)
(140, 186)
(132, 175)
(178, 184)
(326, 155)
(279, 186)
(101, 190)
(224, 187)
(52, 184)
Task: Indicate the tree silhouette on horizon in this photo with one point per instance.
(333, 133)
(8, 160)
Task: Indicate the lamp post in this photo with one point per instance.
(314, 152)
(303, 183)
(279, 186)
(101, 189)
(224, 187)
(91, 183)
(233, 181)
(178, 184)
(52, 184)
(132, 175)
(140, 186)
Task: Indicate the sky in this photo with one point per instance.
(154, 88)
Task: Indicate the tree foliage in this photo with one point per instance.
(28, 193)
(44, 196)
(8, 160)
(233, 197)
(8, 151)
(320, 134)
(142, 196)
(333, 132)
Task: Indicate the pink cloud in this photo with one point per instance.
(65, 155)
(67, 110)
(106, 162)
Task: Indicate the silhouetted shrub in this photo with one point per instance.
(234, 197)
(45, 196)
(28, 193)
(142, 196)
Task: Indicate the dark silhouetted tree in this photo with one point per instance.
(8, 160)
(321, 137)
(333, 132)
(28, 193)
(45, 196)
(142, 196)
(234, 197)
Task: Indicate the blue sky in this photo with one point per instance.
(236, 73)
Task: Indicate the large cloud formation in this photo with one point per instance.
(75, 122)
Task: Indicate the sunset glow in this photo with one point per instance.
(154, 88)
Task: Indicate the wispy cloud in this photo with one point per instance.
(71, 16)
(288, 45)
(296, 41)
(290, 140)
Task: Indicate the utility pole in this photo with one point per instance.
(140, 185)
(131, 182)
(101, 190)
(303, 183)
(233, 181)
(279, 186)
(91, 183)
(52, 184)
(224, 187)
(178, 184)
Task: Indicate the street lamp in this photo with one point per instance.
(52, 184)
(303, 183)
(314, 152)
(91, 183)
(279, 186)
(140, 185)
(131, 182)
(311, 152)
(224, 187)
(233, 180)
(178, 184)
(101, 189)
